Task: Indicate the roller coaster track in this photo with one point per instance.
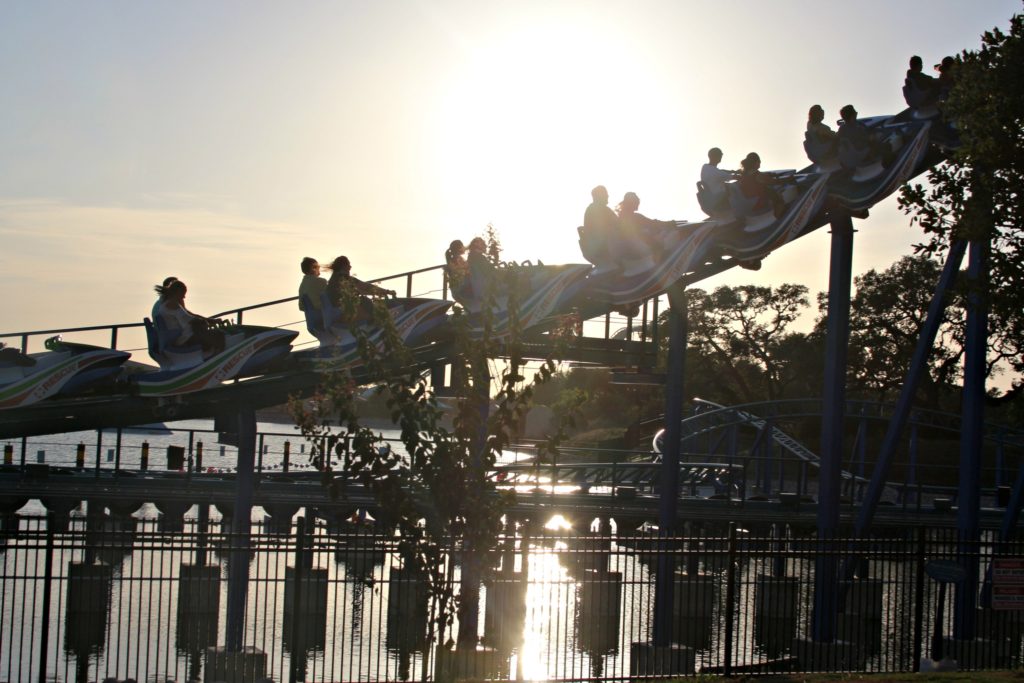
(720, 417)
(712, 419)
(63, 415)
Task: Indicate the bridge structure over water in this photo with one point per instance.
(648, 491)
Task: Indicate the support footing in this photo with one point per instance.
(647, 659)
(248, 665)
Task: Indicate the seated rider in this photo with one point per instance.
(184, 326)
(944, 82)
(341, 279)
(713, 179)
(639, 237)
(760, 186)
(857, 144)
(456, 268)
(159, 289)
(599, 226)
(312, 285)
(635, 226)
(919, 89)
(480, 269)
(820, 141)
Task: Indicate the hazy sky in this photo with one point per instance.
(223, 141)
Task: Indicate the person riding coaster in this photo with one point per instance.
(196, 353)
(821, 142)
(870, 157)
(760, 198)
(711, 193)
(865, 149)
(479, 287)
(416, 321)
(921, 92)
(175, 357)
(624, 241)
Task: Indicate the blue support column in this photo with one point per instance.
(834, 395)
(669, 475)
(918, 366)
(971, 435)
(469, 596)
(241, 527)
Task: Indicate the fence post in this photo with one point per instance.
(919, 600)
(300, 542)
(117, 453)
(44, 644)
(730, 599)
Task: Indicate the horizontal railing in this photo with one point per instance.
(755, 475)
(643, 328)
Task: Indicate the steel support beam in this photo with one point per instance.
(241, 527)
(971, 436)
(918, 368)
(834, 395)
(669, 475)
(471, 563)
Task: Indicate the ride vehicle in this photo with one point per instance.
(861, 177)
(416, 321)
(65, 368)
(248, 351)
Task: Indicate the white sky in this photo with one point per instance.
(222, 141)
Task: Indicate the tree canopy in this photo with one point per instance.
(978, 193)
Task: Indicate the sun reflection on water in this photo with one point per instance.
(548, 591)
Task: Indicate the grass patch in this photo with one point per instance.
(948, 677)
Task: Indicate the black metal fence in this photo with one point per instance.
(121, 597)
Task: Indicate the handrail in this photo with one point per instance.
(648, 329)
(237, 312)
(90, 328)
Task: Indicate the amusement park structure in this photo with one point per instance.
(73, 386)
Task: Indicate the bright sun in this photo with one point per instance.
(536, 117)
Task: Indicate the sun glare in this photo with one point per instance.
(558, 523)
(538, 114)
